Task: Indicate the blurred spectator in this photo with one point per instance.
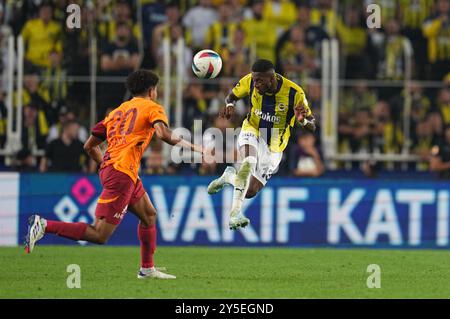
(436, 124)
(36, 94)
(237, 59)
(19, 12)
(38, 114)
(77, 59)
(34, 128)
(314, 96)
(237, 9)
(121, 14)
(163, 30)
(412, 15)
(25, 161)
(389, 9)
(314, 35)
(297, 60)
(60, 9)
(355, 124)
(437, 31)
(279, 13)
(56, 129)
(176, 33)
(422, 143)
(353, 39)
(260, 34)
(359, 131)
(198, 19)
(323, 16)
(447, 80)
(3, 120)
(118, 59)
(357, 97)
(195, 104)
(440, 160)
(65, 154)
(305, 159)
(43, 39)
(220, 34)
(103, 10)
(420, 105)
(5, 32)
(443, 105)
(388, 136)
(392, 65)
(153, 14)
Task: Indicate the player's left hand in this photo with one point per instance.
(300, 112)
(226, 112)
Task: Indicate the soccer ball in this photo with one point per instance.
(206, 64)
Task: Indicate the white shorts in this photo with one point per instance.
(268, 161)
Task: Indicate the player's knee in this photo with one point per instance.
(149, 219)
(151, 213)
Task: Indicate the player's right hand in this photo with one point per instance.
(226, 112)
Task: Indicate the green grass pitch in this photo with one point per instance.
(210, 272)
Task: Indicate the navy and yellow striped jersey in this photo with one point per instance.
(271, 116)
(438, 35)
(414, 12)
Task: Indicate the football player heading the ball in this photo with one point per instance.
(276, 105)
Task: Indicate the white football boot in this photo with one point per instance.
(219, 183)
(36, 230)
(153, 273)
(238, 220)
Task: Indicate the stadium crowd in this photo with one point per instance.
(288, 32)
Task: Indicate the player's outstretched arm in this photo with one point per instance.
(166, 135)
(228, 110)
(92, 148)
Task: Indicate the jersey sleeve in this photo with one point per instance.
(157, 114)
(99, 130)
(242, 88)
(300, 100)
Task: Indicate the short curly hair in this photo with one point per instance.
(139, 82)
(262, 65)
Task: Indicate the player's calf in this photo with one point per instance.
(254, 188)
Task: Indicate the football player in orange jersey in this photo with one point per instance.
(128, 130)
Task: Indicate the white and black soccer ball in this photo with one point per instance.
(206, 64)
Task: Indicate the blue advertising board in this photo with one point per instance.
(287, 212)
